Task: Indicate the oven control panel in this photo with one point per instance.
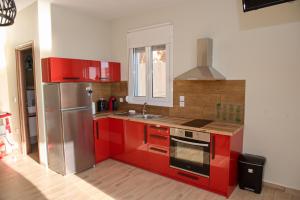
(195, 135)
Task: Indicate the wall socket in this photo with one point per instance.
(181, 98)
(121, 100)
(181, 103)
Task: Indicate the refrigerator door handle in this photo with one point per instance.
(77, 109)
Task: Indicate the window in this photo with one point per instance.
(150, 66)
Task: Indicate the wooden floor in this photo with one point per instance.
(22, 178)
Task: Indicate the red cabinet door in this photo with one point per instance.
(158, 157)
(158, 148)
(219, 163)
(101, 139)
(110, 72)
(189, 178)
(136, 152)
(116, 136)
(63, 70)
(91, 70)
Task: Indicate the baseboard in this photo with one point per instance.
(282, 188)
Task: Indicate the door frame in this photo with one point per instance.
(23, 122)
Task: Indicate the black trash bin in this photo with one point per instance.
(251, 172)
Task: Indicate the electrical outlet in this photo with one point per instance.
(181, 103)
(181, 98)
(121, 100)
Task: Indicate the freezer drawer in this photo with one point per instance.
(78, 140)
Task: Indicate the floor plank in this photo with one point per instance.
(22, 178)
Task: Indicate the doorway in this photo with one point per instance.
(27, 100)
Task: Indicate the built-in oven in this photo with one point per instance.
(190, 151)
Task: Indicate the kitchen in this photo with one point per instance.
(226, 102)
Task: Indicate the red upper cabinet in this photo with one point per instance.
(101, 139)
(136, 152)
(75, 70)
(63, 70)
(110, 72)
(91, 71)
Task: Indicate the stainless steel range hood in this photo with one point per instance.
(204, 69)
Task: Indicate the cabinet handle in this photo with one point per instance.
(187, 176)
(158, 150)
(145, 134)
(97, 132)
(101, 78)
(159, 128)
(71, 78)
(213, 147)
(159, 137)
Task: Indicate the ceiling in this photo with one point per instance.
(108, 9)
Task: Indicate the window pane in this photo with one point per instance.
(139, 64)
(159, 65)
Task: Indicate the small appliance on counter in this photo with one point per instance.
(113, 104)
(102, 105)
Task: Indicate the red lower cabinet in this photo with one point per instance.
(189, 178)
(101, 139)
(158, 159)
(224, 160)
(116, 136)
(219, 164)
(136, 152)
(158, 140)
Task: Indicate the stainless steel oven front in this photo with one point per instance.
(190, 151)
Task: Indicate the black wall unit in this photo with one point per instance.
(249, 5)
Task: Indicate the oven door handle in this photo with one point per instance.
(191, 143)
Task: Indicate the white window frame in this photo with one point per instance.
(149, 99)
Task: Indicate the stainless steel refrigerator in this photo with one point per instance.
(69, 127)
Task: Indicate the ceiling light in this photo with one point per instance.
(8, 12)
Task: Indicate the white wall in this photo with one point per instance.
(263, 48)
(78, 35)
(25, 29)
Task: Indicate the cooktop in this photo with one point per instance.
(197, 123)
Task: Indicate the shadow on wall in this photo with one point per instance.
(269, 16)
(16, 186)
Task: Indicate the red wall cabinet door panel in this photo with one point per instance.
(219, 163)
(92, 71)
(110, 72)
(63, 70)
(116, 135)
(136, 152)
(101, 139)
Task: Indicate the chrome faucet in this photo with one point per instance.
(144, 108)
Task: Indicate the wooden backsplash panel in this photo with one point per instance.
(101, 90)
(216, 100)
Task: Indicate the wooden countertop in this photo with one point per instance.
(216, 127)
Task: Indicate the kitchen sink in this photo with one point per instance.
(146, 116)
(139, 116)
